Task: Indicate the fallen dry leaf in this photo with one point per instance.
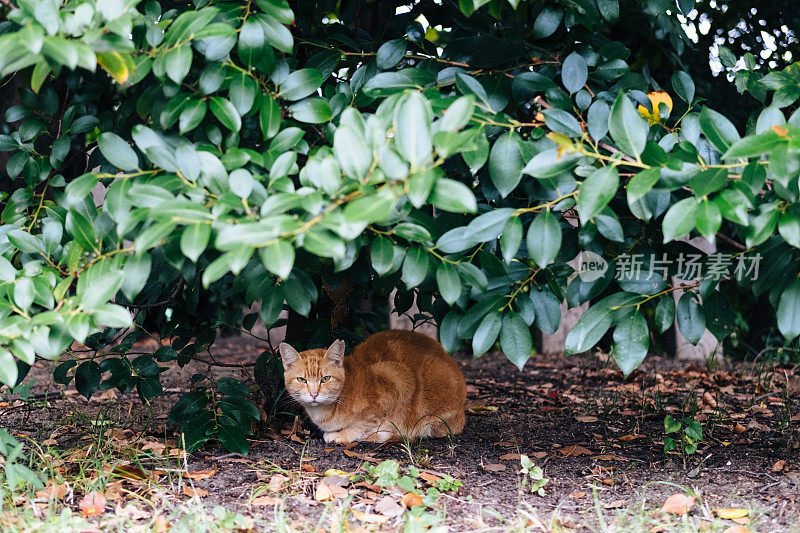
(538, 455)
(709, 400)
(574, 450)
(738, 428)
(511, 457)
(616, 504)
(779, 466)
(678, 504)
(577, 495)
(730, 514)
(430, 479)
(369, 517)
(737, 529)
(278, 482)
(586, 419)
(194, 492)
(323, 493)
(130, 472)
(609, 457)
(200, 474)
(160, 524)
(482, 409)
(411, 499)
(494, 467)
(53, 491)
(264, 501)
(387, 506)
(93, 504)
(628, 438)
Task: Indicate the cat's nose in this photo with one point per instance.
(313, 394)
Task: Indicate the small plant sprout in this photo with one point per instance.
(534, 475)
(688, 433)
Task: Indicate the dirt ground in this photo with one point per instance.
(598, 438)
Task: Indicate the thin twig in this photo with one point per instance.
(8, 4)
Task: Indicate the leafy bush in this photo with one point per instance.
(172, 163)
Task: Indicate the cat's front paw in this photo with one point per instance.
(336, 437)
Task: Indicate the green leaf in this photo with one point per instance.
(351, 152)
(276, 33)
(627, 127)
(708, 181)
(242, 93)
(135, 274)
(449, 283)
(457, 115)
(271, 305)
(609, 9)
(665, 313)
(412, 124)
(488, 226)
(177, 63)
(454, 196)
(153, 235)
(691, 318)
(390, 53)
(596, 191)
(505, 163)
(251, 42)
(24, 292)
(232, 437)
(117, 151)
(323, 243)
(486, 334)
(87, 378)
(708, 219)
(382, 254)
(593, 324)
(192, 115)
(8, 372)
(81, 230)
(511, 238)
(194, 240)
(642, 183)
(574, 71)
(278, 258)
(631, 341)
(788, 227)
(112, 316)
(761, 228)
(547, 22)
(301, 83)
(680, 219)
(561, 121)
(683, 85)
(754, 145)
(597, 119)
(225, 112)
(78, 189)
(269, 117)
(311, 110)
(718, 130)
(544, 238)
(788, 313)
(415, 266)
(515, 339)
(551, 163)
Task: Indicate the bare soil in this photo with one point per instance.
(598, 437)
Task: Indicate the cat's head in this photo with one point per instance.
(313, 377)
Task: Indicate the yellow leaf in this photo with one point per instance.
(656, 98)
(730, 514)
(337, 472)
(117, 65)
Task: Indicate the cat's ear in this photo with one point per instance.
(335, 353)
(289, 355)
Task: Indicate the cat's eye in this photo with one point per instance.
(301, 380)
(324, 379)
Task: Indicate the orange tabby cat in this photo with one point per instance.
(394, 384)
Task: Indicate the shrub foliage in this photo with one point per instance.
(171, 163)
